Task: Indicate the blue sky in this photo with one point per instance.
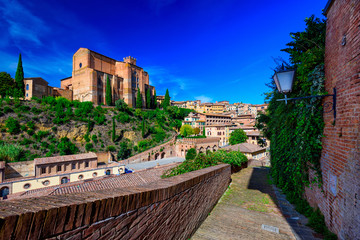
(199, 49)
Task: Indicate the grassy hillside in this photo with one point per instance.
(57, 126)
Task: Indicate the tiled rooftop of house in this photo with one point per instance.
(65, 158)
(114, 181)
(244, 148)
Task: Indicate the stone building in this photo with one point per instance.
(37, 87)
(219, 130)
(339, 196)
(201, 145)
(91, 71)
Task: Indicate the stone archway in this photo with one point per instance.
(4, 192)
(162, 155)
(215, 148)
(157, 156)
(201, 150)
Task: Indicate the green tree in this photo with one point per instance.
(204, 131)
(6, 83)
(196, 131)
(121, 105)
(143, 127)
(154, 101)
(138, 99)
(66, 147)
(113, 135)
(186, 130)
(191, 154)
(148, 99)
(124, 151)
(108, 95)
(19, 78)
(12, 125)
(237, 136)
(166, 102)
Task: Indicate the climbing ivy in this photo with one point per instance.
(295, 129)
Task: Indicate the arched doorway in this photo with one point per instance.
(214, 148)
(64, 180)
(162, 155)
(157, 156)
(4, 192)
(208, 148)
(201, 150)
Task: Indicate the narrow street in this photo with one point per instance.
(252, 209)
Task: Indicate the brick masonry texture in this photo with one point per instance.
(171, 208)
(340, 160)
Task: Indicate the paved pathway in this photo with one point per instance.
(150, 164)
(252, 209)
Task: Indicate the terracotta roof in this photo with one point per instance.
(108, 182)
(66, 158)
(218, 115)
(244, 148)
(253, 133)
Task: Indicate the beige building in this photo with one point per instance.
(36, 87)
(180, 104)
(202, 145)
(91, 71)
(195, 121)
(217, 108)
(219, 130)
(53, 171)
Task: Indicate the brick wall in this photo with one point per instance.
(168, 209)
(340, 160)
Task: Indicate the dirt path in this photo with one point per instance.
(249, 210)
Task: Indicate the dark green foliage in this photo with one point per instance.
(19, 78)
(166, 102)
(121, 106)
(191, 154)
(89, 147)
(123, 117)
(143, 128)
(30, 125)
(143, 145)
(201, 161)
(12, 125)
(138, 99)
(186, 130)
(111, 148)
(8, 110)
(99, 115)
(36, 110)
(113, 135)
(108, 94)
(154, 101)
(40, 135)
(159, 135)
(26, 141)
(86, 137)
(148, 99)
(66, 147)
(6, 83)
(317, 222)
(23, 128)
(94, 139)
(24, 108)
(237, 136)
(125, 151)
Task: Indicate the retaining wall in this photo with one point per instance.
(171, 208)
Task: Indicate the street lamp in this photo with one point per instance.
(284, 81)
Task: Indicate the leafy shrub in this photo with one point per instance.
(30, 132)
(123, 117)
(86, 137)
(124, 151)
(89, 146)
(94, 139)
(54, 129)
(191, 154)
(237, 136)
(25, 141)
(24, 108)
(30, 125)
(36, 110)
(11, 152)
(66, 147)
(40, 135)
(111, 148)
(23, 127)
(12, 125)
(8, 110)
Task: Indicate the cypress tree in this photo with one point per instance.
(108, 97)
(154, 101)
(166, 102)
(148, 99)
(143, 127)
(138, 99)
(19, 78)
(113, 130)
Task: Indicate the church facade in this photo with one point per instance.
(91, 72)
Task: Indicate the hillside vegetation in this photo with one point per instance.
(57, 126)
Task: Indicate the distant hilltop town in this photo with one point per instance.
(222, 107)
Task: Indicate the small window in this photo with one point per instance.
(80, 65)
(27, 95)
(73, 166)
(81, 176)
(94, 174)
(64, 180)
(27, 86)
(43, 170)
(27, 186)
(59, 168)
(46, 182)
(86, 164)
(107, 172)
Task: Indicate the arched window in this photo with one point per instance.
(107, 172)
(27, 86)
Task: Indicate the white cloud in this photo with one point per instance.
(203, 98)
(22, 24)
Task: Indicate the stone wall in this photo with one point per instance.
(171, 208)
(339, 197)
(19, 169)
